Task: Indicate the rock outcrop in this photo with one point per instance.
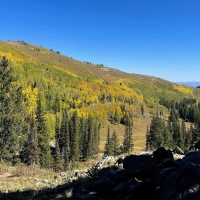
(156, 176)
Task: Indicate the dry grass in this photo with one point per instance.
(139, 133)
(23, 178)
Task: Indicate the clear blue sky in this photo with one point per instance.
(153, 37)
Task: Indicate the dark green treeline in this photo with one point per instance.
(188, 109)
(173, 132)
(24, 133)
(13, 124)
(113, 147)
(77, 139)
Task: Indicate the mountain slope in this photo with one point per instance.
(105, 93)
(23, 52)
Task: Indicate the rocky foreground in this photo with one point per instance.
(161, 175)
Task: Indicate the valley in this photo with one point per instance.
(59, 110)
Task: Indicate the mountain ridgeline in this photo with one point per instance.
(55, 99)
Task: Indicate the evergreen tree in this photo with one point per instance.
(90, 138)
(74, 137)
(108, 145)
(82, 141)
(33, 143)
(148, 139)
(177, 137)
(196, 132)
(188, 138)
(115, 142)
(183, 134)
(43, 137)
(125, 141)
(57, 129)
(58, 165)
(84, 138)
(64, 139)
(57, 104)
(167, 139)
(173, 114)
(12, 114)
(96, 137)
(57, 158)
(128, 139)
(156, 133)
(128, 135)
(175, 128)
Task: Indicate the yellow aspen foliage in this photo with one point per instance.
(30, 98)
(50, 123)
(183, 89)
(65, 70)
(118, 113)
(44, 52)
(13, 55)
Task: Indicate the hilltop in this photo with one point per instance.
(106, 93)
(22, 52)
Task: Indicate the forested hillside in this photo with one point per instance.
(57, 101)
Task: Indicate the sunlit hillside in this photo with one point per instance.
(103, 92)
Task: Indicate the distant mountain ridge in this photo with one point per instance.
(190, 83)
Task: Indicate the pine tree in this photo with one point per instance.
(64, 139)
(188, 137)
(58, 165)
(128, 139)
(115, 142)
(173, 114)
(33, 143)
(177, 137)
(57, 104)
(193, 133)
(74, 137)
(175, 128)
(183, 134)
(125, 146)
(148, 148)
(90, 141)
(43, 137)
(96, 137)
(167, 139)
(196, 133)
(82, 141)
(128, 136)
(57, 158)
(84, 138)
(12, 114)
(57, 129)
(156, 133)
(108, 147)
